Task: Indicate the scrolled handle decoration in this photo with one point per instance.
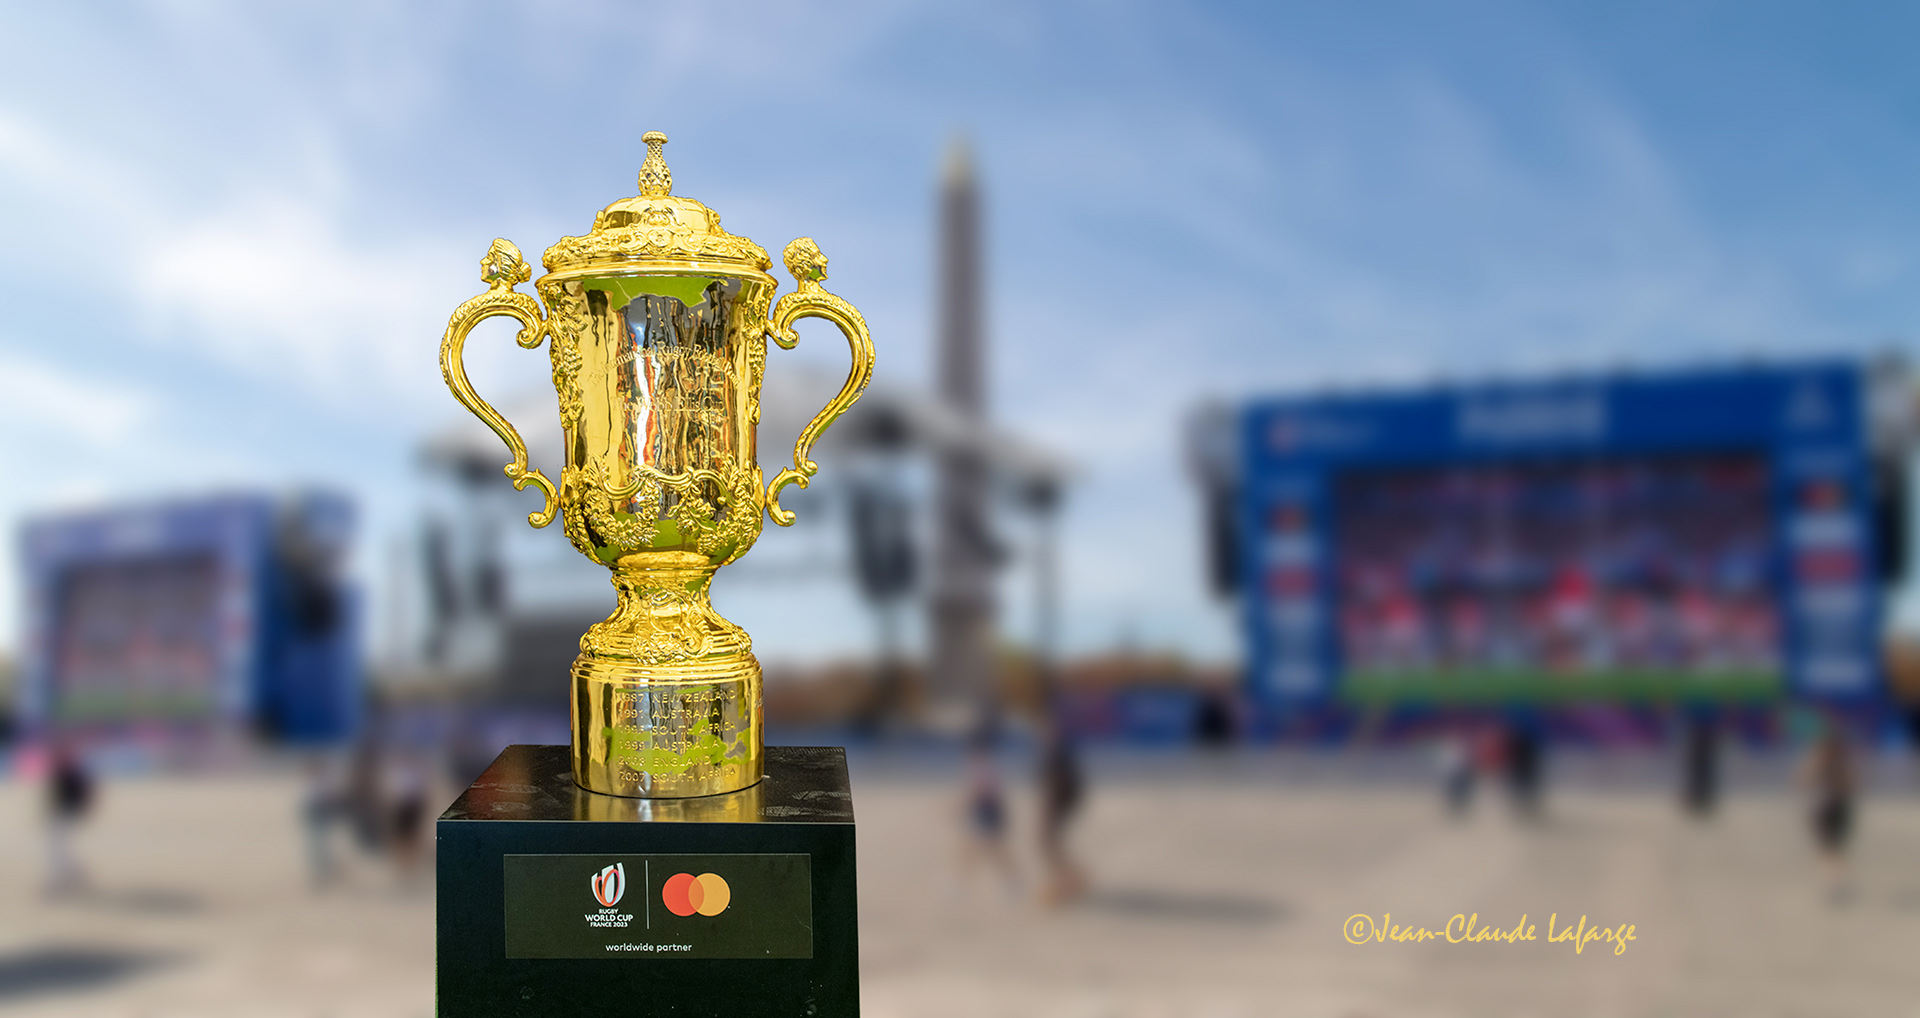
(810, 300)
(502, 269)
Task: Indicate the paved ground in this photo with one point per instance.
(1218, 894)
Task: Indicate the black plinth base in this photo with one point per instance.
(557, 901)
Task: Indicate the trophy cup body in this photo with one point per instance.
(657, 322)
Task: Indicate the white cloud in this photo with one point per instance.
(40, 398)
(268, 283)
(54, 168)
(273, 286)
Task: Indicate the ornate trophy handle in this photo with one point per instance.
(502, 269)
(811, 300)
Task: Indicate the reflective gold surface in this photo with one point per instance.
(658, 322)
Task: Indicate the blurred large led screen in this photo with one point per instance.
(1642, 578)
(137, 642)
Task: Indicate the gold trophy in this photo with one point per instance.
(658, 326)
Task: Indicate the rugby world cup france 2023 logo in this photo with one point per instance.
(609, 884)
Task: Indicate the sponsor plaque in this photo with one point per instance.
(749, 905)
(558, 901)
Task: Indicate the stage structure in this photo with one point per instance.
(1694, 536)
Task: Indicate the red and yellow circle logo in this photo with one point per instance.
(685, 894)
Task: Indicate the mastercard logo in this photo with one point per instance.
(685, 894)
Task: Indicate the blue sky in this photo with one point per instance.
(231, 233)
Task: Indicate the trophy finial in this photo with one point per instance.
(655, 179)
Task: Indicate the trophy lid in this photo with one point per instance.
(656, 230)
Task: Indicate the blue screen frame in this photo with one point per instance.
(1807, 422)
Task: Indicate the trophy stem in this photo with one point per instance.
(666, 693)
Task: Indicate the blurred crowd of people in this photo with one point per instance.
(373, 797)
(1060, 789)
(367, 797)
(1489, 751)
(1513, 753)
(377, 799)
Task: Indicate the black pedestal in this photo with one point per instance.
(557, 901)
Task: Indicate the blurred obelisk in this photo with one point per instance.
(961, 605)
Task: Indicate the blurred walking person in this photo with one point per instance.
(1488, 746)
(985, 809)
(406, 805)
(323, 806)
(1454, 759)
(70, 795)
(1061, 790)
(1828, 773)
(1700, 777)
(363, 793)
(1522, 755)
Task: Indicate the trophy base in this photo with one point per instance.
(555, 901)
(649, 732)
(666, 693)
